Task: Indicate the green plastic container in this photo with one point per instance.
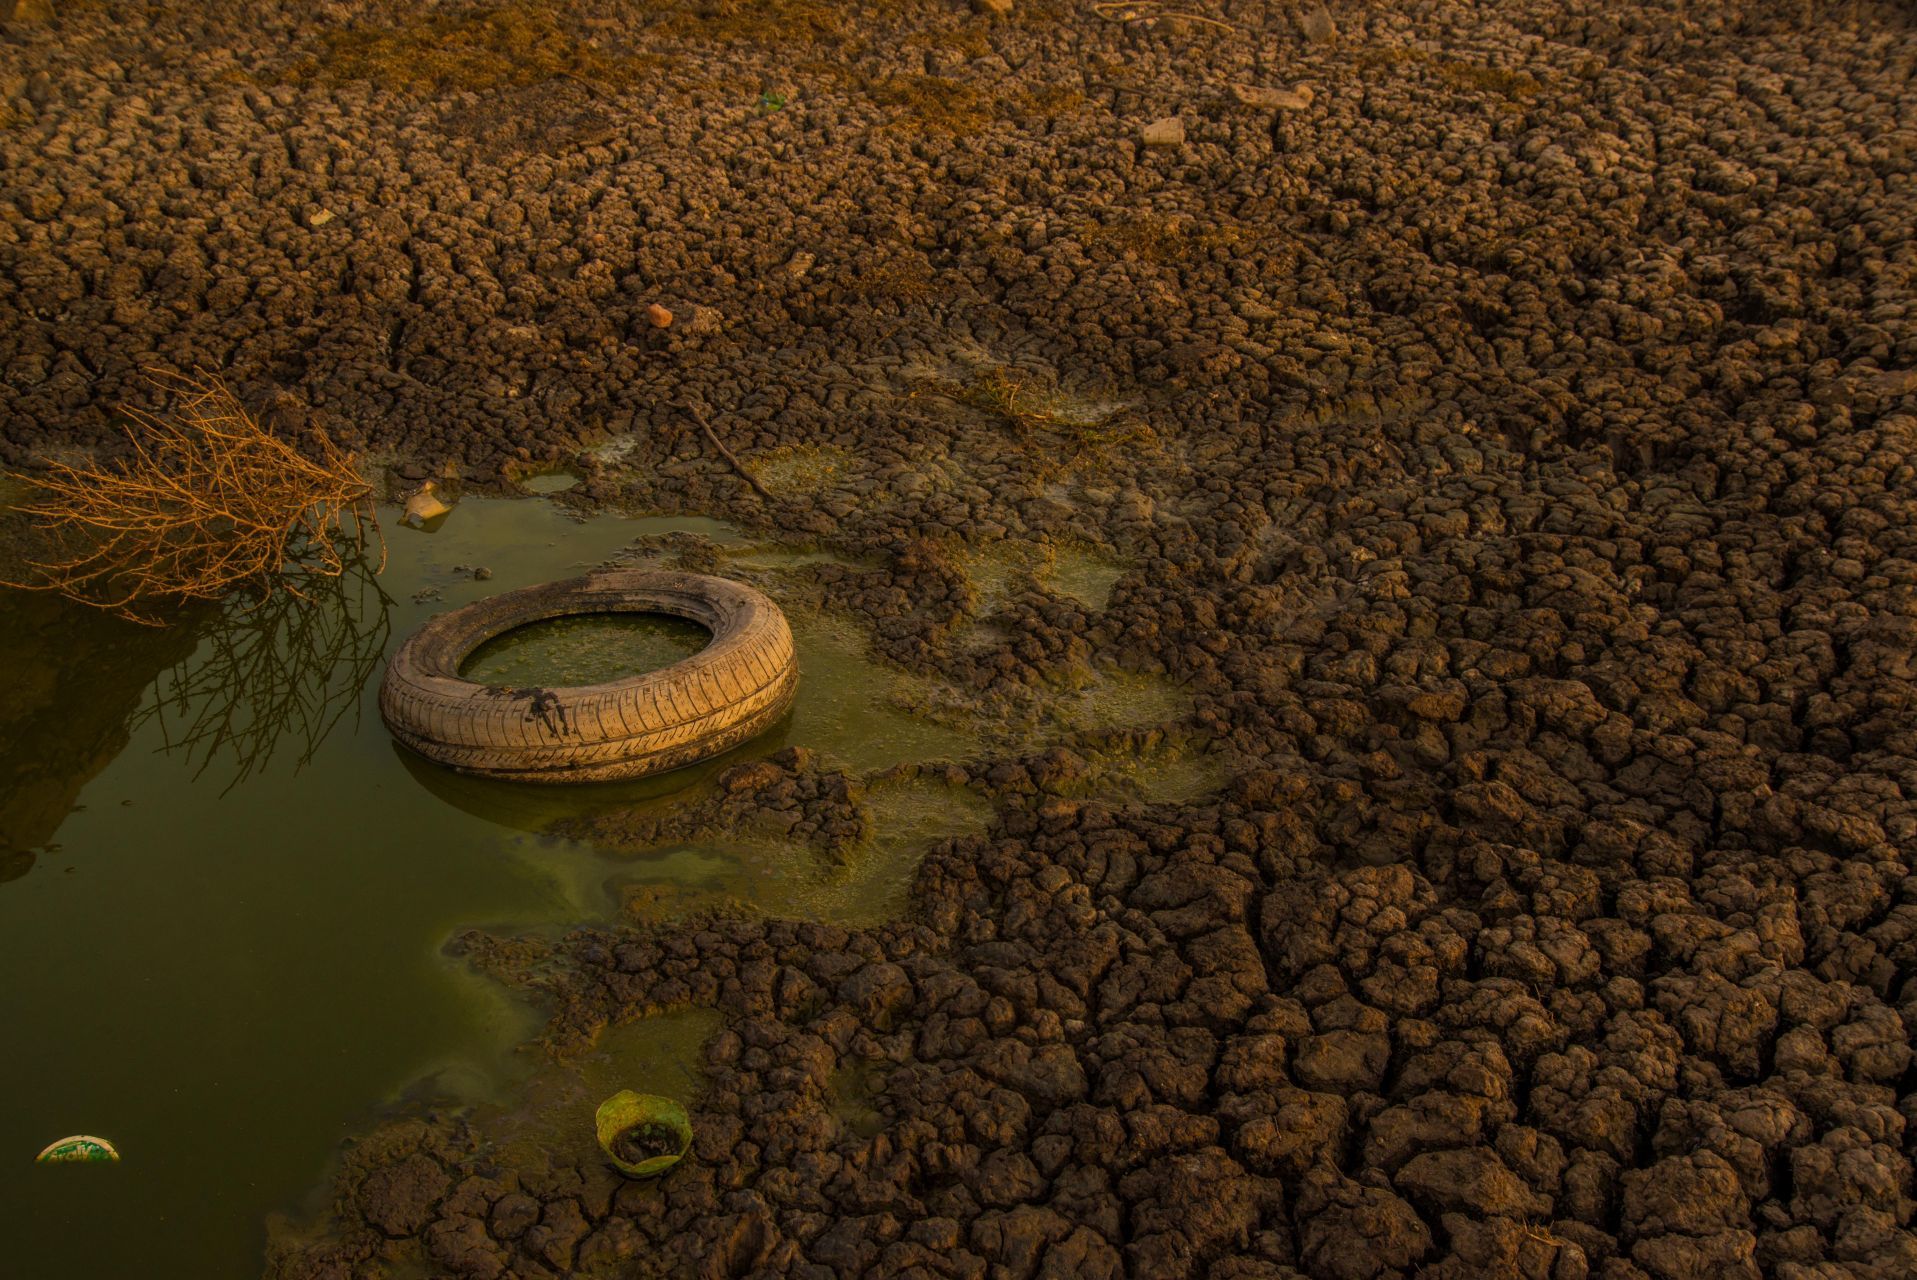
(82, 1148)
(625, 1110)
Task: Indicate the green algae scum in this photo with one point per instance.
(225, 893)
(587, 649)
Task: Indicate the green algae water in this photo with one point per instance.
(225, 892)
(589, 649)
(221, 961)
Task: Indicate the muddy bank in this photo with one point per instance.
(1513, 456)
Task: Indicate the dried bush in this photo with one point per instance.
(208, 501)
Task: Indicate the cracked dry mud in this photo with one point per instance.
(1514, 454)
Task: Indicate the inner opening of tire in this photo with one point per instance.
(586, 648)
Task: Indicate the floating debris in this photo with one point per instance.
(81, 1148)
(425, 506)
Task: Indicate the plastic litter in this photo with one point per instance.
(81, 1148)
(654, 1118)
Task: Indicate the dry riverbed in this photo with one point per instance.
(1497, 423)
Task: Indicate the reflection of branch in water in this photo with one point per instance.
(283, 670)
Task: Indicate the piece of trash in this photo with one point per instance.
(81, 1148)
(643, 1134)
(1169, 132)
(424, 506)
(770, 102)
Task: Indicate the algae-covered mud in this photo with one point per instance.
(1365, 551)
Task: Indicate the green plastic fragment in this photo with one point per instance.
(770, 102)
(81, 1148)
(628, 1110)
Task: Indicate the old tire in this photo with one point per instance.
(736, 687)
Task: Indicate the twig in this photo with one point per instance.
(693, 412)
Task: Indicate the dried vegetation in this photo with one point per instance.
(206, 501)
(1456, 73)
(763, 22)
(803, 468)
(1163, 239)
(934, 102)
(477, 48)
(1056, 430)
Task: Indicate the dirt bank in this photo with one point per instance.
(1513, 444)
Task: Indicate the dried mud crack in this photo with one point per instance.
(1515, 458)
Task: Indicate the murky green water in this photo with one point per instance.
(221, 963)
(589, 649)
(549, 482)
(224, 891)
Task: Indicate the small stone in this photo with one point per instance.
(1260, 98)
(660, 317)
(992, 8)
(1169, 132)
(317, 218)
(482, 574)
(1318, 26)
(799, 263)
